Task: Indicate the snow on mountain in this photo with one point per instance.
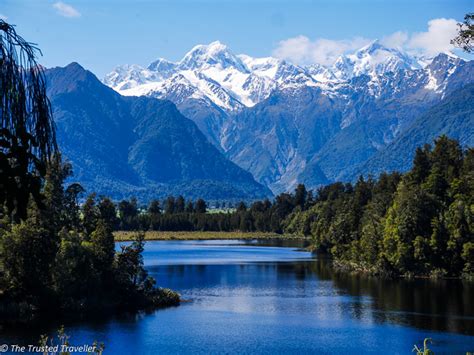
(285, 122)
(373, 59)
(129, 76)
(214, 73)
(214, 55)
(163, 66)
(439, 71)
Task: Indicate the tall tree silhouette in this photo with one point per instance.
(27, 134)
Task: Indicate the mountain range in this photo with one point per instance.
(138, 146)
(286, 123)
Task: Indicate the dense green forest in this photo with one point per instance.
(176, 214)
(51, 258)
(55, 260)
(417, 223)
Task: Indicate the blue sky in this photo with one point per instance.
(100, 34)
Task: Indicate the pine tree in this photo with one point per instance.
(179, 205)
(201, 206)
(170, 205)
(154, 208)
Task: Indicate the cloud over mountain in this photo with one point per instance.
(437, 39)
(303, 50)
(323, 51)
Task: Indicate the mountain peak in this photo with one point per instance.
(373, 59)
(216, 46)
(71, 76)
(162, 65)
(371, 47)
(212, 54)
(376, 48)
(74, 66)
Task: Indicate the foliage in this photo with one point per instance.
(262, 216)
(199, 235)
(421, 223)
(133, 281)
(48, 346)
(51, 259)
(27, 136)
(53, 264)
(425, 350)
(465, 37)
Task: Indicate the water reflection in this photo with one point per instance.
(444, 305)
(267, 297)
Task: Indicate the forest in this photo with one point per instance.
(418, 223)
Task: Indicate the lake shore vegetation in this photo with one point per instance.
(54, 259)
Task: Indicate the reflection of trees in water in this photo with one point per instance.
(279, 242)
(444, 305)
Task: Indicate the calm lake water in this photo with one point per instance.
(271, 297)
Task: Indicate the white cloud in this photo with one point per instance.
(3, 17)
(66, 10)
(302, 50)
(323, 51)
(395, 40)
(437, 38)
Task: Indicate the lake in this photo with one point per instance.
(271, 297)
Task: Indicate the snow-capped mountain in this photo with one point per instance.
(214, 73)
(373, 59)
(211, 71)
(288, 123)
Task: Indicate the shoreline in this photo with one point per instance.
(123, 236)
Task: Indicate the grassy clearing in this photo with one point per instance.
(168, 235)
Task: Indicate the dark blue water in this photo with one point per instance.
(252, 298)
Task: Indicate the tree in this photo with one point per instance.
(54, 195)
(421, 165)
(468, 257)
(447, 155)
(189, 207)
(201, 206)
(241, 207)
(408, 219)
(179, 206)
(130, 272)
(108, 212)
(128, 212)
(154, 208)
(71, 204)
(26, 253)
(300, 196)
(90, 214)
(465, 37)
(103, 247)
(74, 275)
(27, 135)
(170, 205)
